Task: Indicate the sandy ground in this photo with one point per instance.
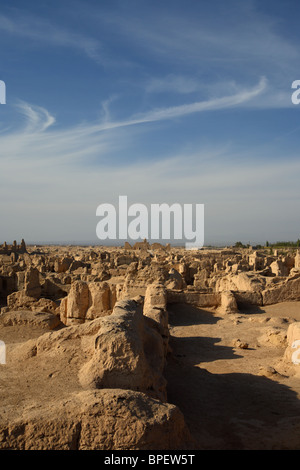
(34, 381)
(234, 398)
(229, 396)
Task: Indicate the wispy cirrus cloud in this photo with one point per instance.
(37, 118)
(39, 138)
(239, 99)
(173, 83)
(44, 32)
(66, 172)
(53, 183)
(233, 33)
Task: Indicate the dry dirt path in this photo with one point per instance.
(234, 398)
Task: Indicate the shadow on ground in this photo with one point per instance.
(227, 411)
(186, 314)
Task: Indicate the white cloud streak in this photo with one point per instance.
(46, 174)
(38, 29)
(239, 99)
(40, 141)
(234, 34)
(38, 119)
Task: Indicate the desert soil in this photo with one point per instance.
(234, 398)
(231, 398)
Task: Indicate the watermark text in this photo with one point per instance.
(2, 352)
(296, 354)
(183, 223)
(2, 92)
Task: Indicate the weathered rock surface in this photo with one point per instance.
(241, 282)
(128, 354)
(292, 352)
(102, 299)
(289, 289)
(228, 303)
(99, 419)
(101, 340)
(86, 301)
(27, 317)
(155, 308)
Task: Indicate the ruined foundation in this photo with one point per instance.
(149, 347)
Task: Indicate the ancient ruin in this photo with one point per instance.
(149, 347)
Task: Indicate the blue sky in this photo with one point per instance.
(173, 101)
